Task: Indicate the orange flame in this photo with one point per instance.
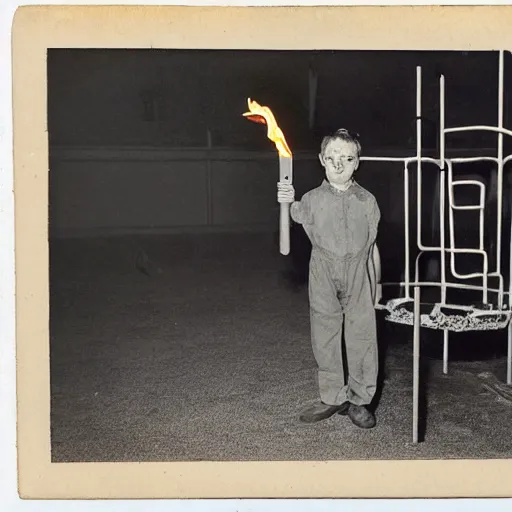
(263, 115)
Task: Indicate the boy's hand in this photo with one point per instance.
(285, 193)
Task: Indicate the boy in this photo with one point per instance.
(341, 219)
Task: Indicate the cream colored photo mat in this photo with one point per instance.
(37, 28)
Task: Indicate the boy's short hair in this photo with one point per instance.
(342, 134)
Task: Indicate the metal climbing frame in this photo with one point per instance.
(467, 317)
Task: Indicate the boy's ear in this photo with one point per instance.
(321, 158)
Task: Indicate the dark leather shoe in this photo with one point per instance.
(361, 416)
(320, 411)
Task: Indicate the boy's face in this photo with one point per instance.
(340, 161)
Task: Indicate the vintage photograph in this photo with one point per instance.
(279, 255)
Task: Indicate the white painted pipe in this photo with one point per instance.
(501, 287)
(454, 251)
(481, 217)
(480, 127)
(418, 154)
(480, 185)
(406, 227)
(383, 159)
(449, 284)
(409, 159)
(501, 78)
(501, 291)
(418, 91)
(442, 199)
(441, 162)
(416, 364)
(501, 165)
(441, 119)
(445, 351)
(473, 159)
(509, 354)
(510, 266)
(500, 160)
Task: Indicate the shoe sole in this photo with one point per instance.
(366, 427)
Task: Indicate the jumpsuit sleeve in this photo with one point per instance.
(300, 211)
(374, 219)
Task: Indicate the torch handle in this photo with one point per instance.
(285, 176)
(284, 231)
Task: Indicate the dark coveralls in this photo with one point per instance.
(342, 227)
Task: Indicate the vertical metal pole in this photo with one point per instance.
(481, 226)
(406, 226)
(501, 74)
(445, 351)
(442, 213)
(442, 120)
(418, 152)
(509, 307)
(442, 187)
(442, 181)
(500, 157)
(509, 355)
(416, 363)
(500, 160)
(451, 224)
(442, 210)
(509, 299)
(500, 193)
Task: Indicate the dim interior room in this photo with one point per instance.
(177, 329)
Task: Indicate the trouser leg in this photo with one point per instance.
(361, 339)
(326, 331)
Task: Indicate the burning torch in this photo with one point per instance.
(264, 115)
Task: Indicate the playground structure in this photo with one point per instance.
(485, 314)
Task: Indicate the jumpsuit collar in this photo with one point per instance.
(337, 191)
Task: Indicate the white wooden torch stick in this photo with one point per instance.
(264, 115)
(285, 176)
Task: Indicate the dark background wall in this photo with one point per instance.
(154, 140)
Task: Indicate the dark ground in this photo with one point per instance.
(211, 360)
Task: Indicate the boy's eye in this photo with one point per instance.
(349, 159)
